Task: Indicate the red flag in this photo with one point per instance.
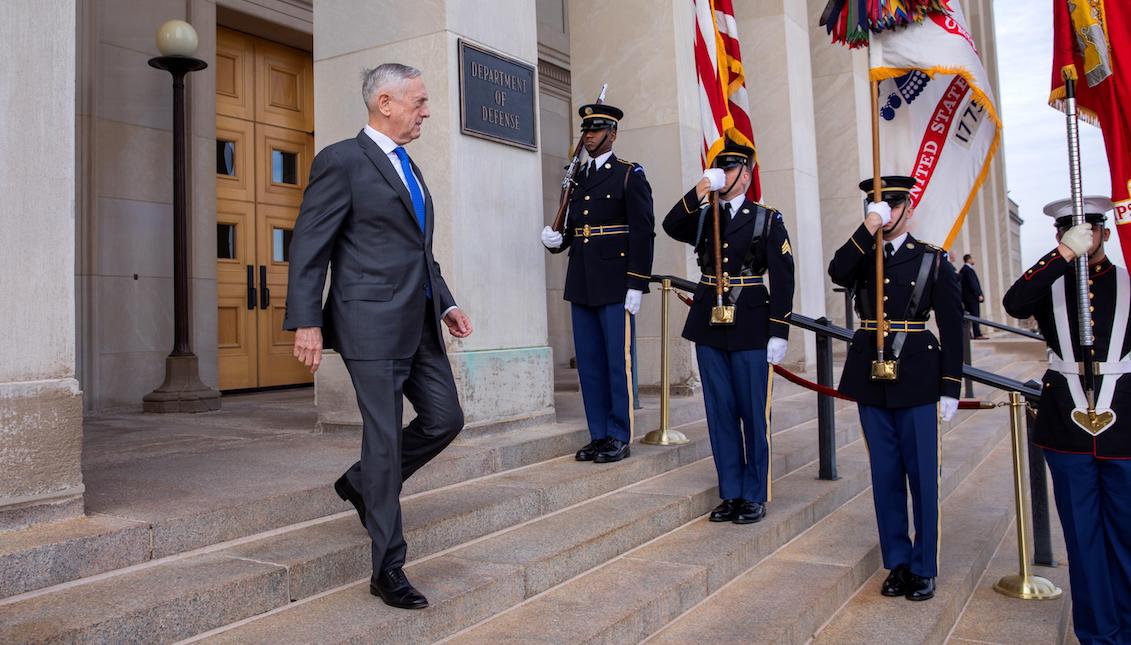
(723, 102)
(1093, 39)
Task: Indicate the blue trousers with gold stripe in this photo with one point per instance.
(602, 340)
(736, 393)
(903, 448)
(1093, 499)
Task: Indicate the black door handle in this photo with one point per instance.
(264, 292)
(250, 287)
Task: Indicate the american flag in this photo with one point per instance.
(723, 103)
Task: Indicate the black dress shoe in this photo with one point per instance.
(748, 512)
(347, 492)
(724, 512)
(612, 450)
(590, 450)
(394, 588)
(919, 587)
(896, 582)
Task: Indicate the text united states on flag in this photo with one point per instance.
(938, 120)
(723, 102)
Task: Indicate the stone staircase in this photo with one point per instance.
(514, 542)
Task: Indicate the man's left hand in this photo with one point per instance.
(459, 325)
(632, 301)
(775, 350)
(981, 299)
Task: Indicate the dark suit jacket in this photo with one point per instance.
(929, 367)
(971, 287)
(759, 313)
(357, 214)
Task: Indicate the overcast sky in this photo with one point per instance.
(1036, 152)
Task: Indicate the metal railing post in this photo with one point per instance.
(826, 412)
(967, 358)
(664, 435)
(1038, 494)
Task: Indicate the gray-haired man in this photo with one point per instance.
(367, 210)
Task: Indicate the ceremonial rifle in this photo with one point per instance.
(567, 182)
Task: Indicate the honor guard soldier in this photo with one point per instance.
(1090, 464)
(900, 414)
(609, 232)
(734, 358)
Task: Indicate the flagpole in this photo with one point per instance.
(721, 314)
(1083, 306)
(882, 369)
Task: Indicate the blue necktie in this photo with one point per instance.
(417, 200)
(413, 187)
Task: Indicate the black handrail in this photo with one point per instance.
(1013, 330)
(826, 417)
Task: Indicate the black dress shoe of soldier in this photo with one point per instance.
(896, 582)
(612, 450)
(920, 588)
(588, 452)
(394, 588)
(748, 512)
(347, 492)
(724, 512)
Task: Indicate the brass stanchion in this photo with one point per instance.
(665, 436)
(1023, 585)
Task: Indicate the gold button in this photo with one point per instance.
(725, 274)
(1091, 308)
(1091, 295)
(607, 196)
(913, 283)
(885, 334)
(885, 298)
(587, 198)
(1090, 283)
(725, 260)
(885, 314)
(910, 245)
(586, 240)
(930, 346)
(726, 244)
(622, 255)
(887, 280)
(585, 212)
(1042, 263)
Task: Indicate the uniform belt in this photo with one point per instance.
(1077, 369)
(594, 231)
(896, 325)
(734, 280)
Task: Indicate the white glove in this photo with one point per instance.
(551, 239)
(716, 176)
(775, 350)
(1078, 238)
(632, 301)
(882, 209)
(948, 406)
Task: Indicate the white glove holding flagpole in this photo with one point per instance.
(882, 209)
(716, 176)
(948, 406)
(775, 350)
(1078, 239)
(551, 239)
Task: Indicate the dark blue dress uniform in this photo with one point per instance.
(737, 380)
(1091, 472)
(900, 418)
(609, 234)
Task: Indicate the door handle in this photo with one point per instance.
(264, 292)
(250, 287)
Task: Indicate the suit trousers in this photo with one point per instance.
(1093, 499)
(602, 341)
(736, 393)
(974, 309)
(904, 452)
(390, 454)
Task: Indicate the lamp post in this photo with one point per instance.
(182, 390)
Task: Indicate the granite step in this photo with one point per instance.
(542, 553)
(136, 514)
(669, 575)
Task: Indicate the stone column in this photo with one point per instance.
(642, 49)
(488, 196)
(775, 39)
(40, 401)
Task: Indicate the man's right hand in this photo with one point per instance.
(551, 239)
(882, 211)
(1077, 241)
(308, 347)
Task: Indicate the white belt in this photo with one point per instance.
(1102, 367)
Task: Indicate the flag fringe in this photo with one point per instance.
(1058, 101)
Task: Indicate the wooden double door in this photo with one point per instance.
(264, 147)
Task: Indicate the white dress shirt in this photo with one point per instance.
(600, 161)
(735, 204)
(896, 243)
(388, 146)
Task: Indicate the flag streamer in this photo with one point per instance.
(851, 22)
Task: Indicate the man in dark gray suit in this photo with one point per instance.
(367, 210)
